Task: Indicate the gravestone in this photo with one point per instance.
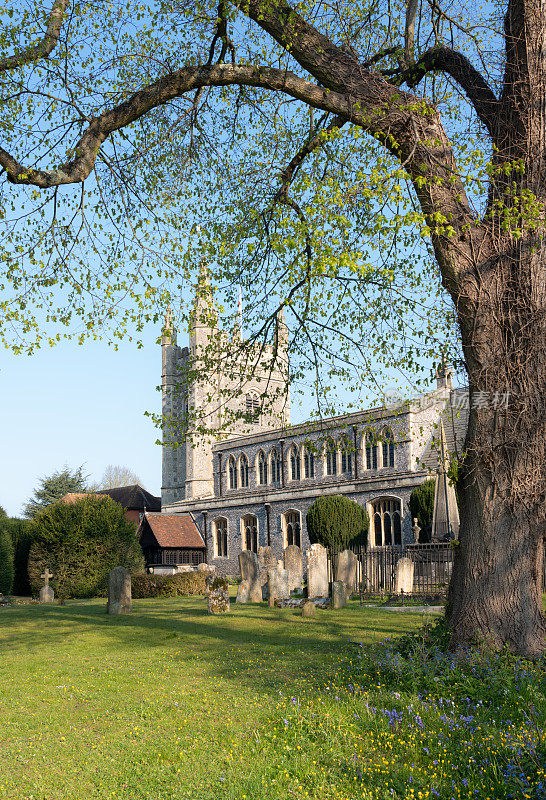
(202, 567)
(339, 594)
(47, 595)
(266, 561)
(119, 591)
(346, 570)
(309, 610)
(293, 563)
(404, 576)
(416, 530)
(278, 582)
(250, 590)
(218, 596)
(317, 571)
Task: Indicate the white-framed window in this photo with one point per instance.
(276, 466)
(386, 517)
(249, 533)
(295, 464)
(387, 438)
(220, 537)
(292, 528)
(308, 463)
(232, 473)
(331, 457)
(252, 407)
(243, 471)
(262, 468)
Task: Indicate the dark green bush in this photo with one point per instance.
(183, 583)
(21, 540)
(422, 507)
(80, 543)
(337, 522)
(6, 562)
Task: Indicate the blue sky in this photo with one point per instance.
(78, 405)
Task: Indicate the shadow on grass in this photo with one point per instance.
(280, 639)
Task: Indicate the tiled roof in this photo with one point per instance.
(134, 497)
(172, 530)
(73, 497)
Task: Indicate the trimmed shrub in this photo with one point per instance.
(6, 562)
(21, 540)
(181, 584)
(337, 522)
(80, 543)
(422, 507)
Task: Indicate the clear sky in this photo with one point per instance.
(78, 405)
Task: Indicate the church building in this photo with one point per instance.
(253, 483)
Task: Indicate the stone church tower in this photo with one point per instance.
(217, 384)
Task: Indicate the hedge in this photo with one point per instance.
(337, 522)
(183, 583)
(6, 562)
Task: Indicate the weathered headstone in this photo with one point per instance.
(250, 590)
(218, 597)
(317, 571)
(309, 609)
(346, 570)
(339, 594)
(293, 563)
(119, 591)
(404, 576)
(202, 567)
(278, 582)
(47, 595)
(266, 561)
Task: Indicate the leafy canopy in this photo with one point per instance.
(55, 486)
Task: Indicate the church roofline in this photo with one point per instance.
(382, 413)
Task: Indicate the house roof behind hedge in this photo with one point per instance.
(134, 497)
(171, 530)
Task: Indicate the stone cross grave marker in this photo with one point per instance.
(47, 595)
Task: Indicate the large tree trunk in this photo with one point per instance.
(496, 592)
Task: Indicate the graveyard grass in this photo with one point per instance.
(171, 703)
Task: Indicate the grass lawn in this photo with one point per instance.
(172, 703)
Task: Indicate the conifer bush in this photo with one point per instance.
(80, 543)
(6, 562)
(422, 507)
(337, 522)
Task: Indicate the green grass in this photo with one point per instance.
(169, 702)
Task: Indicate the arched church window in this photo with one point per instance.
(292, 526)
(346, 457)
(262, 468)
(276, 466)
(308, 463)
(331, 458)
(243, 471)
(371, 451)
(221, 537)
(252, 407)
(232, 473)
(387, 522)
(295, 464)
(250, 533)
(388, 447)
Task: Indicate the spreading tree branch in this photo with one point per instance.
(45, 47)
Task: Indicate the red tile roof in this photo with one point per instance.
(173, 530)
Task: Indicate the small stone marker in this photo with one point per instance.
(218, 597)
(293, 563)
(250, 590)
(309, 610)
(346, 570)
(404, 576)
(317, 571)
(339, 594)
(47, 595)
(416, 530)
(119, 591)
